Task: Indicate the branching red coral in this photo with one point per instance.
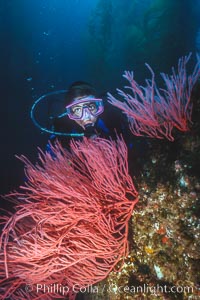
(155, 112)
(71, 221)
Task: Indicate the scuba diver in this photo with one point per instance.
(88, 115)
(85, 113)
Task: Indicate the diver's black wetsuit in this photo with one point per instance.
(108, 124)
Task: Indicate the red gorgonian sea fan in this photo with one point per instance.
(71, 221)
(154, 112)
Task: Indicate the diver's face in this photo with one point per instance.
(85, 112)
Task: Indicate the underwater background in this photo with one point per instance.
(48, 44)
(45, 45)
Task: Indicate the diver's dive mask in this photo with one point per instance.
(80, 107)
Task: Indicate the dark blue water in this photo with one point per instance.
(47, 44)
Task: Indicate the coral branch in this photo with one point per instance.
(71, 222)
(154, 112)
